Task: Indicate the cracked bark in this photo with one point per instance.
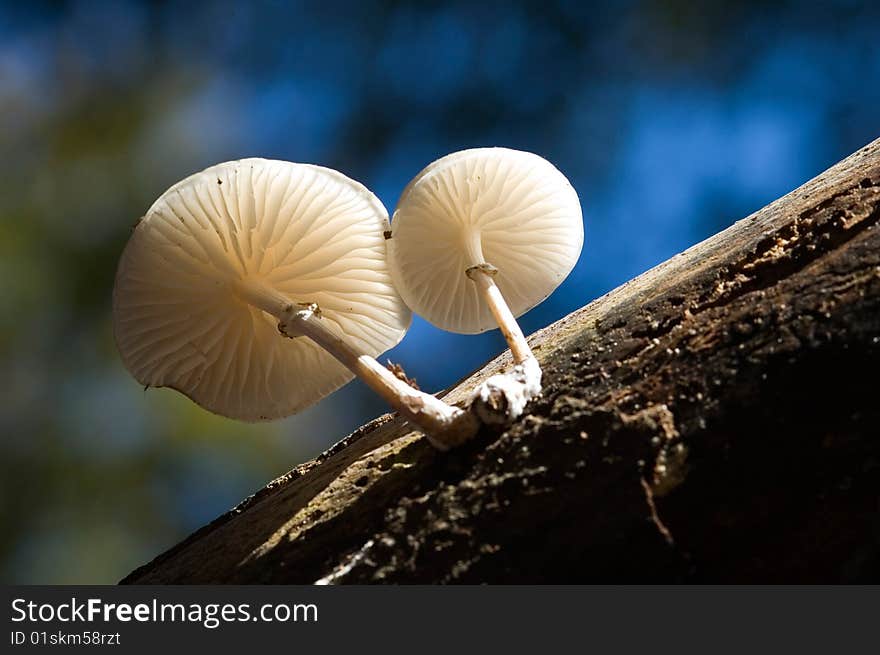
(713, 420)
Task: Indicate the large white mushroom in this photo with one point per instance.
(478, 238)
(228, 257)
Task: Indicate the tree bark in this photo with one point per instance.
(713, 420)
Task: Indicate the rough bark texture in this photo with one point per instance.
(715, 419)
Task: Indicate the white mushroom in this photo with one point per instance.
(479, 237)
(228, 257)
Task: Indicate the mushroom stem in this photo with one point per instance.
(503, 397)
(483, 276)
(444, 425)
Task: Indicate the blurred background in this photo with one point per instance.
(671, 120)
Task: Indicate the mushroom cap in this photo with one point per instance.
(508, 208)
(308, 232)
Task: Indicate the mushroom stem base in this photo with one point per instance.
(502, 398)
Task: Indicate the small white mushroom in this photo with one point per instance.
(228, 257)
(479, 237)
